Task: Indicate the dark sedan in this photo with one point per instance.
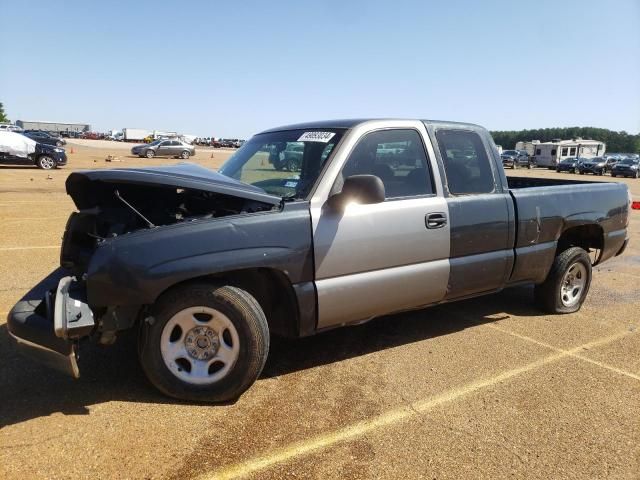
(629, 167)
(165, 148)
(515, 159)
(568, 165)
(43, 137)
(596, 165)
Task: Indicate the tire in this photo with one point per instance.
(45, 162)
(581, 172)
(613, 175)
(185, 155)
(240, 337)
(59, 144)
(554, 295)
(576, 170)
(529, 166)
(515, 165)
(557, 170)
(637, 175)
(149, 153)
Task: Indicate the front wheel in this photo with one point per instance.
(150, 153)
(45, 162)
(567, 284)
(204, 343)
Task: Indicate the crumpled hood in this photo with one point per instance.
(80, 184)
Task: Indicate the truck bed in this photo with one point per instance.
(545, 208)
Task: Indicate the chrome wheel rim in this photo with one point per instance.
(185, 155)
(573, 284)
(200, 345)
(46, 163)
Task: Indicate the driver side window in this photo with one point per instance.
(397, 157)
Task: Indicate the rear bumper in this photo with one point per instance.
(29, 323)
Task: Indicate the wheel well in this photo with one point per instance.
(271, 288)
(588, 237)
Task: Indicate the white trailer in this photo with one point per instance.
(529, 147)
(549, 154)
(135, 134)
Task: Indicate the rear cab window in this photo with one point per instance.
(466, 163)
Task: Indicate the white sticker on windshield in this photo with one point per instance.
(322, 137)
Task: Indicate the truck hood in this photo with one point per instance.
(80, 184)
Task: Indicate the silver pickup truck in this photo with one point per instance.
(382, 216)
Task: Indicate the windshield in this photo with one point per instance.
(629, 161)
(286, 164)
(509, 152)
(568, 160)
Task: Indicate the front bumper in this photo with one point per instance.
(61, 159)
(46, 329)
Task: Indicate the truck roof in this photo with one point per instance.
(350, 123)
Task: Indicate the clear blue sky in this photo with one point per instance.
(232, 68)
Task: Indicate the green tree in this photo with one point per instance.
(3, 116)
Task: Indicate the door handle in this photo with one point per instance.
(435, 220)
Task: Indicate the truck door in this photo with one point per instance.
(480, 211)
(381, 258)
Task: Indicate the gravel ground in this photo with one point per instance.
(485, 388)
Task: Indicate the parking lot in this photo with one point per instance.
(485, 388)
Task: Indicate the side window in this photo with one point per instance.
(553, 152)
(397, 157)
(572, 151)
(565, 150)
(538, 151)
(165, 144)
(465, 162)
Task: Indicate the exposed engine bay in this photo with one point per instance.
(122, 208)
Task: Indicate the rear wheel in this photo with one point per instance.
(613, 174)
(567, 284)
(184, 155)
(45, 162)
(205, 343)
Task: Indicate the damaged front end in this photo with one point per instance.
(54, 316)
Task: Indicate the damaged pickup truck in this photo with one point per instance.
(382, 216)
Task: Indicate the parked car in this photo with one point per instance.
(596, 165)
(7, 127)
(629, 167)
(569, 165)
(44, 137)
(18, 149)
(286, 155)
(515, 159)
(209, 265)
(165, 148)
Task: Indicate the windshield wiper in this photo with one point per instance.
(147, 221)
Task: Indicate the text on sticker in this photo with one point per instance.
(323, 137)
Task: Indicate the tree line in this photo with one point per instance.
(616, 141)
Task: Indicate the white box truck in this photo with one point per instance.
(135, 134)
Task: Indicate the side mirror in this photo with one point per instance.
(363, 189)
